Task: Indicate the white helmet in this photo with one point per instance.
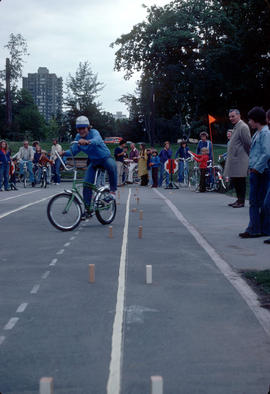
(81, 122)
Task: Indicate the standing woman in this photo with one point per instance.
(4, 165)
(142, 165)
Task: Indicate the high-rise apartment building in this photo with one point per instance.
(47, 92)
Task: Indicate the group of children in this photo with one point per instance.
(8, 165)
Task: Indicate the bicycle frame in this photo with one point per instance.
(75, 192)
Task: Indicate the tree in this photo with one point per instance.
(199, 56)
(17, 47)
(82, 92)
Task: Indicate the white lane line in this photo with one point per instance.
(46, 274)
(11, 323)
(61, 251)
(2, 338)
(249, 296)
(53, 262)
(77, 233)
(22, 307)
(23, 207)
(71, 238)
(114, 380)
(19, 195)
(67, 244)
(35, 289)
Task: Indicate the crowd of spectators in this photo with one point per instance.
(34, 158)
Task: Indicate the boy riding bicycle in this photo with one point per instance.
(91, 143)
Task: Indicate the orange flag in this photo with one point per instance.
(211, 119)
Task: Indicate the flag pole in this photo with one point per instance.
(211, 136)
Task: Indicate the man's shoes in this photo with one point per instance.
(238, 205)
(246, 234)
(233, 203)
(267, 241)
(33, 184)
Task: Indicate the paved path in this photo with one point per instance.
(190, 326)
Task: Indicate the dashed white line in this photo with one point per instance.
(67, 244)
(22, 307)
(11, 323)
(77, 233)
(2, 338)
(35, 289)
(71, 238)
(46, 274)
(53, 262)
(23, 207)
(114, 380)
(61, 251)
(19, 195)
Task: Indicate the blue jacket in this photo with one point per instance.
(156, 161)
(259, 156)
(4, 158)
(205, 144)
(95, 151)
(36, 157)
(164, 155)
(182, 152)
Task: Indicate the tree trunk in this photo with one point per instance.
(8, 96)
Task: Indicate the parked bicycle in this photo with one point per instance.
(66, 210)
(44, 176)
(186, 171)
(25, 177)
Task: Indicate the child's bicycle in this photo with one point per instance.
(65, 210)
(43, 177)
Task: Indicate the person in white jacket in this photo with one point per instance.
(56, 162)
(26, 155)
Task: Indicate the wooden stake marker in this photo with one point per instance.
(134, 210)
(138, 200)
(148, 274)
(119, 194)
(140, 232)
(141, 215)
(156, 385)
(92, 273)
(110, 232)
(46, 386)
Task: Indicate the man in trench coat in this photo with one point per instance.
(236, 167)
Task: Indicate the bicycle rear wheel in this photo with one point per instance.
(64, 211)
(105, 211)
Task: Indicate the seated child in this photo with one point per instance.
(202, 159)
(154, 165)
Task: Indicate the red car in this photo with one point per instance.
(112, 140)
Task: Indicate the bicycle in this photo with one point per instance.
(44, 177)
(194, 178)
(66, 209)
(135, 176)
(25, 176)
(185, 171)
(216, 182)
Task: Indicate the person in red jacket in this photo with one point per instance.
(202, 159)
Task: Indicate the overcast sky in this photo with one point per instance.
(61, 33)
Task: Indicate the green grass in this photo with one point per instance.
(261, 279)
(14, 146)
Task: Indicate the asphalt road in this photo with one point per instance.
(191, 325)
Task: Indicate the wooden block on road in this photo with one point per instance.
(46, 386)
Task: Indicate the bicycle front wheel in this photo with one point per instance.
(194, 179)
(105, 211)
(64, 211)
